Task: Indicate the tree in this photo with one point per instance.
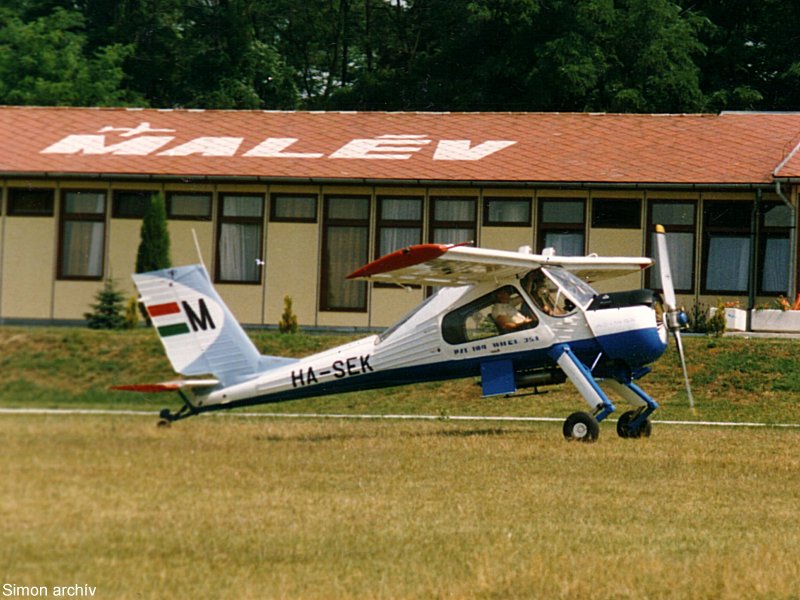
(42, 62)
(153, 252)
(108, 311)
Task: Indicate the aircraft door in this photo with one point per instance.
(500, 312)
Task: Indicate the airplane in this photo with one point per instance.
(514, 319)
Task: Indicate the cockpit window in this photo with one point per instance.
(503, 311)
(556, 291)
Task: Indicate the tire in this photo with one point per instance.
(624, 430)
(581, 427)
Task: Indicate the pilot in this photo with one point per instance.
(506, 315)
(536, 285)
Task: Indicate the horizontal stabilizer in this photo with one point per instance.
(166, 386)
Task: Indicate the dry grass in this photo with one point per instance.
(219, 507)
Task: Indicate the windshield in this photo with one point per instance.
(580, 292)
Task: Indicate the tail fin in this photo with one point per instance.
(199, 333)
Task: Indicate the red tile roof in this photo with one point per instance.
(730, 148)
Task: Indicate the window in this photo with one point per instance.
(293, 208)
(617, 213)
(678, 218)
(345, 248)
(131, 204)
(726, 246)
(453, 220)
(509, 212)
(774, 253)
(486, 317)
(83, 227)
(189, 206)
(562, 223)
(26, 202)
(239, 247)
(399, 223)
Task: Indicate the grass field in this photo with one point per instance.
(226, 507)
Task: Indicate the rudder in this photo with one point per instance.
(199, 333)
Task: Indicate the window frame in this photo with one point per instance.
(116, 213)
(601, 221)
(544, 227)
(327, 223)
(436, 225)
(65, 218)
(172, 217)
(489, 200)
(274, 217)
(671, 228)
(766, 233)
(724, 231)
(238, 220)
(13, 211)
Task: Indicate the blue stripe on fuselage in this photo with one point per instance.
(633, 348)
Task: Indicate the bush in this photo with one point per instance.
(107, 312)
(288, 322)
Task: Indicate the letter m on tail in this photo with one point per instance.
(199, 333)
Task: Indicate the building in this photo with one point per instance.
(288, 203)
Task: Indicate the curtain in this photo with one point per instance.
(346, 251)
(510, 211)
(295, 207)
(454, 210)
(82, 254)
(680, 247)
(239, 247)
(728, 264)
(394, 238)
(565, 243)
(775, 276)
(453, 236)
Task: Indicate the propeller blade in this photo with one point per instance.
(683, 367)
(664, 268)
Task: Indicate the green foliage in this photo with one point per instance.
(107, 312)
(627, 55)
(288, 322)
(153, 252)
(45, 61)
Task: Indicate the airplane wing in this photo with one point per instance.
(455, 265)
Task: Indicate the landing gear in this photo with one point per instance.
(633, 427)
(581, 427)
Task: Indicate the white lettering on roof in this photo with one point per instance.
(143, 127)
(461, 149)
(396, 147)
(96, 144)
(381, 147)
(274, 148)
(206, 146)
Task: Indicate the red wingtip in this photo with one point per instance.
(401, 259)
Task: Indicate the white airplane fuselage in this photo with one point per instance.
(615, 340)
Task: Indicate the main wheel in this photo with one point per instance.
(581, 427)
(624, 426)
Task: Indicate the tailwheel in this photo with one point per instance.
(624, 429)
(581, 427)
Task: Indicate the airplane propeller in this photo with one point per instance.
(674, 317)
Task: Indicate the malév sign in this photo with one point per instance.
(140, 142)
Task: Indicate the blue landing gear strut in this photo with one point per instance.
(634, 423)
(581, 426)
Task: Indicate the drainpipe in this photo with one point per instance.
(752, 282)
(792, 291)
